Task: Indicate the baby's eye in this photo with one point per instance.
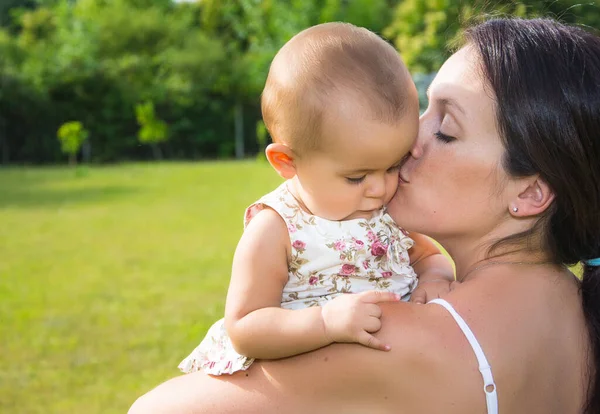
(356, 180)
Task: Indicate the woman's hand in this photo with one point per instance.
(354, 317)
(431, 289)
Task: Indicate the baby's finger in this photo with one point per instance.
(378, 296)
(370, 341)
(373, 310)
(372, 325)
(419, 296)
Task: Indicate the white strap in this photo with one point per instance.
(489, 387)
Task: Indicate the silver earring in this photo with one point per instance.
(515, 209)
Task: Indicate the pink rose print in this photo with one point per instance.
(299, 245)
(386, 275)
(378, 249)
(347, 270)
(358, 244)
(313, 280)
(366, 264)
(339, 245)
(292, 228)
(371, 236)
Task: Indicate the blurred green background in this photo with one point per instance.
(108, 278)
(112, 268)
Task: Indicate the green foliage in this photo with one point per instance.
(422, 82)
(71, 136)
(261, 139)
(425, 31)
(199, 63)
(373, 14)
(153, 130)
(11, 8)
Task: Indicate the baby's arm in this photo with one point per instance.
(260, 328)
(434, 269)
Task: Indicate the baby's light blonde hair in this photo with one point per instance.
(326, 62)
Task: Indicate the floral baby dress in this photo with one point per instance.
(329, 258)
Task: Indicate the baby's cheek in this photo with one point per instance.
(391, 187)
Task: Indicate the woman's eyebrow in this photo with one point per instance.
(452, 103)
(447, 102)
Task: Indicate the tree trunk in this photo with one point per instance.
(239, 130)
(86, 151)
(72, 159)
(157, 152)
(4, 150)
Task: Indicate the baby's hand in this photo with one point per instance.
(354, 317)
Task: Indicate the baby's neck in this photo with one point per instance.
(291, 186)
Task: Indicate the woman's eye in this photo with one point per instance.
(356, 180)
(443, 137)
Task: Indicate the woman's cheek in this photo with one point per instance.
(396, 206)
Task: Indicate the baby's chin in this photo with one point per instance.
(361, 215)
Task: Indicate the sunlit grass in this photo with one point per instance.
(110, 276)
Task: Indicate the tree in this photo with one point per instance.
(153, 131)
(261, 139)
(252, 31)
(424, 31)
(11, 8)
(373, 14)
(71, 136)
(239, 23)
(201, 64)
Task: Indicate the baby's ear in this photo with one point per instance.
(281, 158)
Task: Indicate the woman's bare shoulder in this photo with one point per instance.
(338, 378)
(531, 329)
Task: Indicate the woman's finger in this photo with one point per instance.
(419, 296)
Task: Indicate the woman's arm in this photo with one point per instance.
(421, 373)
(427, 259)
(435, 270)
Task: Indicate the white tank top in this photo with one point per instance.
(489, 387)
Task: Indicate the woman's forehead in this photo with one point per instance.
(460, 83)
(460, 88)
(459, 73)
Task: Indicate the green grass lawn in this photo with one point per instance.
(109, 278)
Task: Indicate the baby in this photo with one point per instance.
(320, 252)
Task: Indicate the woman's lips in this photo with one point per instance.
(402, 178)
(402, 171)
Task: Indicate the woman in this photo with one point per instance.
(506, 175)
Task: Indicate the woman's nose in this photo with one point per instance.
(417, 149)
(419, 146)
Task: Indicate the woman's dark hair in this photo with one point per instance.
(546, 79)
